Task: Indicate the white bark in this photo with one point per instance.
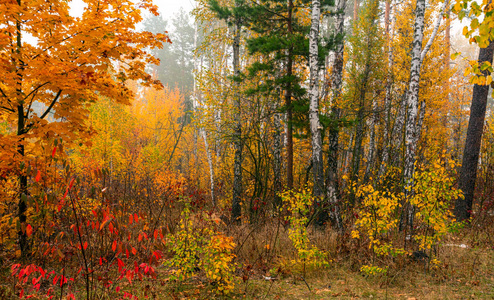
(315, 125)
(196, 103)
(411, 133)
(434, 31)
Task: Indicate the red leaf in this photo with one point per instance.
(53, 152)
(156, 234)
(157, 254)
(134, 251)
(85, 245)
(114, 246)
(29, 230)
(120, 265)
(135, 218)
(38, 176)
(104, 223)
(71, 183)
(129, 276)
(131, 219)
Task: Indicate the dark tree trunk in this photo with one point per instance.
(332, 184)
(288, 103)
(468, 173)
(21, 130)
(22, 205)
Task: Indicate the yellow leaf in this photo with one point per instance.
(488, 80)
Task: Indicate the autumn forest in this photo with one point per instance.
(255, 149)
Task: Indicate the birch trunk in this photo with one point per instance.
(237, 164)
(411, 135)
(315, 126)
(196, 103)
(414, 126)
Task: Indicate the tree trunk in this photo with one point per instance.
(414, 125)
(21, 130)
(288, 103)
(412, 111)
(332, 185)
(196, 103)
(468, 173)
(237, 164)
(315, 125)
(372, 141)
(387, 99)
(210, 164)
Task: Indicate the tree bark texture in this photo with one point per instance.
(471, 152)
(387, 99)
(315, 125)
(237, 163)
(21, 130)
(332, 185)
(288, 103)
(414, 117)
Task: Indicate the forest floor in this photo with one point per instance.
(464, 271)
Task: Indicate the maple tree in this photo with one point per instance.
(59, 63)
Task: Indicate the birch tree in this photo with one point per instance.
(237, 163)
(315, 125)
(413, 124)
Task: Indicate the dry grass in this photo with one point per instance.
(462, 273)
(265, 250)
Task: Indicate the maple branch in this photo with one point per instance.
(30, 103)
(71, 36)
(7, 109)
(434, 32)
(35, 90)
(51, 104)
(3, 93)
(8, 100)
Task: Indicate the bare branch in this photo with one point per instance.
(51, 105)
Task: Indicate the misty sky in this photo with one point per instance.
(167, 7)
